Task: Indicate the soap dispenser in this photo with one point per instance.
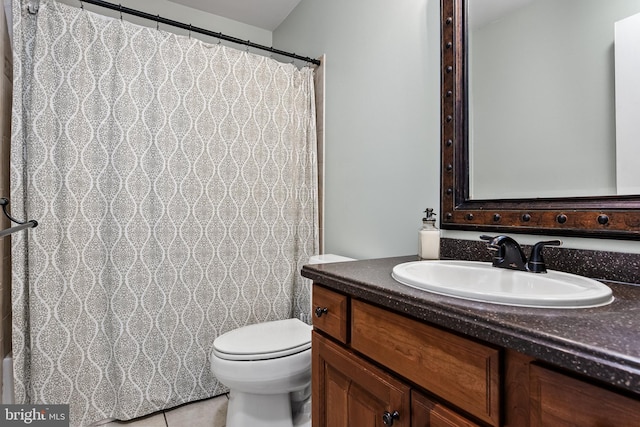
(429, 237)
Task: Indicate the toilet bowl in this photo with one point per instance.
(267, 367)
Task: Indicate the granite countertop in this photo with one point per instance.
(602, 343)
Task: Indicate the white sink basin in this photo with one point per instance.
(479, 281)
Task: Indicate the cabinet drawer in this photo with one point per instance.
(558, 400)
(460, 371)
(330, 312)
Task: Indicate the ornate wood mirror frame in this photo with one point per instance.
(605, 217)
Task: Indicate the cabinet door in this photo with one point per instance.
(349, 392)
(427, 413)
(558, 400)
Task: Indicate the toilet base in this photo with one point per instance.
(302, 413)
(259, 410)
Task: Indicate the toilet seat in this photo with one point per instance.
(264, 341)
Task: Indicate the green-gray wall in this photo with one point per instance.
(382, 117)
(382, 121)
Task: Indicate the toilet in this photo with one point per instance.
(267, 367)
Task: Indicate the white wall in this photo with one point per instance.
(382, 117)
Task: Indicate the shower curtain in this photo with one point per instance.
(174, 183)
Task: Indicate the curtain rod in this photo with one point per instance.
(189, 27)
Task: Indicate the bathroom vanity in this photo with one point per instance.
(388, 354)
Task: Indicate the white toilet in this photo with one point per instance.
(267, 367)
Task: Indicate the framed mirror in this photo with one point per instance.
(499, 205)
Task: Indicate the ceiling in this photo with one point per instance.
(266, 14)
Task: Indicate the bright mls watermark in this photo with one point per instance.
(34, 415)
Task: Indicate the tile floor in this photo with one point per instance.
(205, 413)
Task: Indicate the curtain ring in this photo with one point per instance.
(33, 8)
(158, 22)
(81, 5)
(247, 46)
(189, 30)
(120, 9)
(220, 37)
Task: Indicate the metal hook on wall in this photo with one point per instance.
(21, 224)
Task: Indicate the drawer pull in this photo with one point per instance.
(388, 418)
(320, 311)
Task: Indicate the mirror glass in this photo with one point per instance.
(554, 98)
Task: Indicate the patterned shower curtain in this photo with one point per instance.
(174, 183)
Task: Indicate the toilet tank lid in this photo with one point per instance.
(325, 258)
(278, 337)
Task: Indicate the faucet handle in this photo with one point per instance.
(490, 239)
(536, 261)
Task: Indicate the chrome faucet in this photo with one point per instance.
(509, 254)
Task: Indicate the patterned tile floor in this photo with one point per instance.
(205, 413)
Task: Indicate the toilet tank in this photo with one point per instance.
(325, 258)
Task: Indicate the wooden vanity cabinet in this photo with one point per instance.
(370, 363)
(350, 388)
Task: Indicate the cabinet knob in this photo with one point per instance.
(320, 311)
(388, 417)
